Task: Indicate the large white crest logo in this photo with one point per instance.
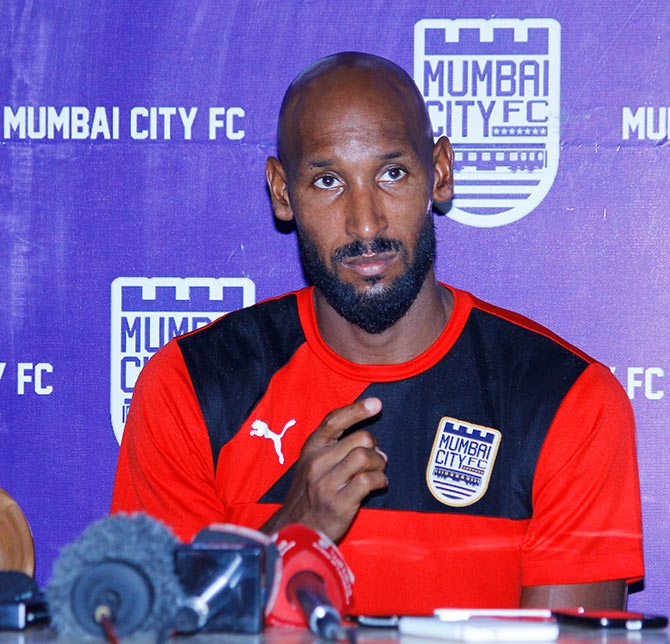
(461, 461)
(493, 87)
(149, 311)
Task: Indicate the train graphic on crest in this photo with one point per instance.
(492, 157)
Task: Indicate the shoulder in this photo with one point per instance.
(267, 314)
(517, 326)
(237, 336)
(165, 364)
(241, 351)
(599, 391)
(508, 345)
(271, 323)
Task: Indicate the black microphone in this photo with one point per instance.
(118, 572)
(307, 589)
(229, 573)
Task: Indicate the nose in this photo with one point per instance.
(366, 218)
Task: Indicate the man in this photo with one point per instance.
(459, 454)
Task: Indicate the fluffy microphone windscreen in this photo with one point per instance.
(123, 564)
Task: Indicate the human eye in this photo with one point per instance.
(327, 182)
(395, 173)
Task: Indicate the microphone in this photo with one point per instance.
(229, 573)
(117, 575)
(316, 586)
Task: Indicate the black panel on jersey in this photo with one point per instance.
(232, 361)
(497, 375)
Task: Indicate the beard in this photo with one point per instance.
(375, 309)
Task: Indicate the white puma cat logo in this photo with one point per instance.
(261, 429)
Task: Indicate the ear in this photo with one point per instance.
(276, 178)
(443, 170)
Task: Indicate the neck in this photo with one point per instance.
(406, 339)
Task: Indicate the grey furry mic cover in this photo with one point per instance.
(136, 541)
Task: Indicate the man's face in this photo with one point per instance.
(360, 188)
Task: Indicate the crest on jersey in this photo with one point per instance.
(493, 87)
(461, 461)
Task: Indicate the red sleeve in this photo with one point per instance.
(586, 523)
(165, 465)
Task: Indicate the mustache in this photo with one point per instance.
(358, 248)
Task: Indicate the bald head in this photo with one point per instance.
(347, 78)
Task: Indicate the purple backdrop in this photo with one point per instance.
(133, 140)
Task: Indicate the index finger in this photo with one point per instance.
(339, 420)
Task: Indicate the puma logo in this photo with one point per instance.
(261, 429)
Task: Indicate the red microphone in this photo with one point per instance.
(316, 585)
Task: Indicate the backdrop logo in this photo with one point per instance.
(493, 87)
(147, 312)
(461, 462)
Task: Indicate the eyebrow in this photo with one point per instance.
(324, 163)
(320, 163)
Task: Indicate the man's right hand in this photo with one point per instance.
(333, 475)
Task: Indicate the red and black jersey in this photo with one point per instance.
(511, 454)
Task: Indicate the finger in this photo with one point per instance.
(348, 467)
(334, 464)
(343, 489)
(358, 487)
(360, 438)
(339, 420)
(358, 460)
(327, 470)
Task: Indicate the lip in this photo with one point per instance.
(370, 264)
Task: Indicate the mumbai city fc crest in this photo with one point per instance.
(461, 462)
(493, 87)
(147, 312)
